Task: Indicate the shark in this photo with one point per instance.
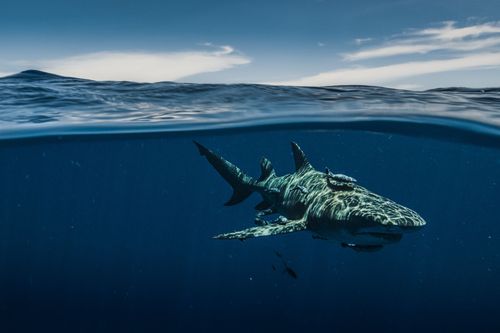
(333, 207)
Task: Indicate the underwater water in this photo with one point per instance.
(107, 210)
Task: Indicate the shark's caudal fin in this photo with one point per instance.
(242, 184)
(266, 230)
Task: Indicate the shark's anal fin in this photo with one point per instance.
(266, 230)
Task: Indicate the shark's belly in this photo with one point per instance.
(340, 232)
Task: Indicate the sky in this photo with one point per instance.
(408, 44)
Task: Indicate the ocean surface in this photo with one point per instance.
(107, 211)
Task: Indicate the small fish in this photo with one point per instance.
(339, 186)
(287, 269)
(339, 177)
(343, 178)
(291, 272)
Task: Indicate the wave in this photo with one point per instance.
(38, 104)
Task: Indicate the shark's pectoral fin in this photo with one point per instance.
(266, 230)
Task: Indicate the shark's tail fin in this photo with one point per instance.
(242, 184)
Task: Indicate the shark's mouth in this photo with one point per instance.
(376, 234)
(384, 237)
(370, 230)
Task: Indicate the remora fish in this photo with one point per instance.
(286, 268)
(332, 207)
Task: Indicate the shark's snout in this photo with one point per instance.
(388, 216)
(377, 227)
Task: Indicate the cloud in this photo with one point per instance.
(359, 41)
(449, 32)
(447, 37)
(402, 49)
(472, 47)
(388, 73)
(144, 66)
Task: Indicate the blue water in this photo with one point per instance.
(107, 210)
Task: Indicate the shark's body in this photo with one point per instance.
(332, 206)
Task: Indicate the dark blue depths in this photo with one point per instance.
(114, 234)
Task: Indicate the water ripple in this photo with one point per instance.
(34, 103)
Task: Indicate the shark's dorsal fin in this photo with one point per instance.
(266, 168)
(301, 162)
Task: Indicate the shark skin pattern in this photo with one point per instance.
(331, 206)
